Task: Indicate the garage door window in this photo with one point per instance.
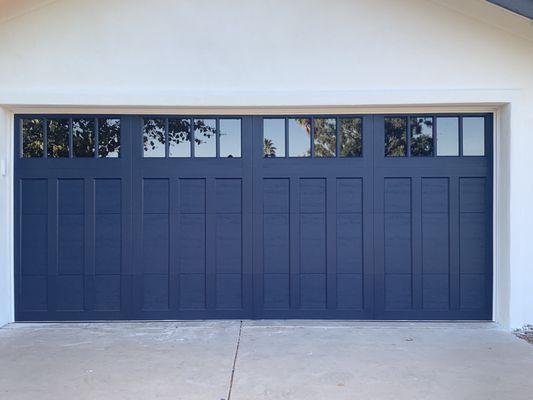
(431, 136)
(312, 137)
(447, 136)
(325, 137)
(350, 137)
(205, 144)
(299, 137)
(473, 136)
(273, 138)
(108, 137)
(192, 137)
(33, 137)
(58, 138)
(77, 137)
(83, 137)
(421, 136)
(230, 137)
(154, 137)
(395, 137)
(179, 137)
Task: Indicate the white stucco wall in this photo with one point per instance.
(167, 54)
(6, 222)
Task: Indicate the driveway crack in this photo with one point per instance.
(235, 361)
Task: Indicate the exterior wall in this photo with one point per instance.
(379, 55)
(6, 221)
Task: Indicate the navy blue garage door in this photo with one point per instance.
(181, 217)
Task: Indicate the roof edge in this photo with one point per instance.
(520, 7)
(492, 14)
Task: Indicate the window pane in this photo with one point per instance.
(230, 137)
(154, 137)
(83, 137)
(447, 136)
(473, 136)
(325, 137)
(205, 144)
(299, 137)
(395, 137)
(58, 138)
(32, 137)
(109, 137)
(422, 136)
(179, 137)
(350, 137)
(274, 137)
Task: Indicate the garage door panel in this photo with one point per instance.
(436, 234)
(313, 243)
(317, 204)
(473, 194)
(107, 196)
(397, 228)
(192, 195)
(155, 292)
(107, 293)
(435, 195)
(156, 196)
(71, 244)
(350, 293)
(349, 243)
(276, 291)
(69, 293)
(312, 290)
(228, 194)
(312, 195)
(398, 292)
(71, 196)
(436, 291)
(34, 241)
(155, 244)
(34, 195)
(108, 244)
(435, 243)
(228, 243)
(276, 250)
(473, 250)
(349, 195)
(229, 291)
(192, 291)
(191, 243)
(397, 194)
(473, 291)
(276, 195)
(34, 293)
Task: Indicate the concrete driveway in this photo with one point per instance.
(263, 360)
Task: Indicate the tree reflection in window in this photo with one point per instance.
(58, 138)
(422, 136)
(299, 137)
(179, 137)
(325, 137)
(154, 137)
(32, 137)
(83, 137)
(109, 137)
(395, 137)
(350, 137)
(273, 137)
(205, 138)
